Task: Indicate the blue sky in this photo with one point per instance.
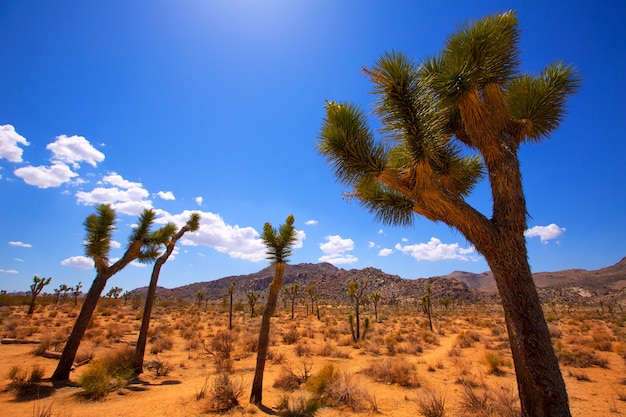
(215, 106)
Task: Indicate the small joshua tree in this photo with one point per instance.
(357, 294)
(35, 288)
(231, 289)
(375, 297)
(427, 307)
(253, 297)
(292, 293)
(76, 292)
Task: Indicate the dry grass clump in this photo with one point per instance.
(298, 407)
(579, 358)
(394, 371)
(467, 338)
(24, 382)
(431, 404)
(338, 388)
(502, 403)
(224, 393)
(108, 373)
(290, 379)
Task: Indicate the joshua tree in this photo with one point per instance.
(375, 297)
(310, 292)
(76, 292)
(253, 297)
(169, 230)
(143, 245)
(231, 289)
(35, 288)
(114, 293)
(292, 293)
(279, 245)
(199, 298)
(469, 97)
(427, 307)
(356, 293)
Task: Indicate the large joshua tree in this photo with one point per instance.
(143, 245)
(191, 226)
(470, 98)
(279, 247)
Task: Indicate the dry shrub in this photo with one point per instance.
(302, 349)
(290, 379)
(432, 404)
(338, 388)
(44, 344)
(581, 359)
(298, 407)
(224, 393)
(24, 382)
(291, 336)
(160, 343)
(394, 371)
(160, 368)
(467, 339)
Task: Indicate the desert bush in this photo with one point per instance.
(160, 343)
(581, 358)
(467, 339)
(337, 388)
(224, 393)
(302, 349)
(95, 381)
(24, 382)
(290, 379)
(394, 371)
(494, 362)
(108, 373)
(291, 336)
(160, 368)
(298, 407)
(431, 404)
(473, 404)
(44, 344)
(580, 376)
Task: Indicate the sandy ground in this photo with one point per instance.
(593, 391)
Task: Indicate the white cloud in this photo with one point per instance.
(545, 233)
(235, 241)
(198, 200)
(370, 245)
(335, 248)
(125, 196)
(78, 262)
(166, 195)
(385, 252)
(435, 250)
(336, 244)
(9, 139)
(8, 271)
(117, 181)
(19, 259)
(380, 231)
(44, 177)
(115, 244)
(74, 149)
(21, 244)
(339, 259)
(311, 222)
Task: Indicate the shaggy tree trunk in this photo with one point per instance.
(62, 372)
(540, 383)
(256, 396)
(140, 349)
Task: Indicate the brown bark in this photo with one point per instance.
(256, 396)
(140, 348)
(62, 372)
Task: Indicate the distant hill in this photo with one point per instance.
(576, 285)
(330, 283)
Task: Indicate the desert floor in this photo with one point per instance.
(397, 370)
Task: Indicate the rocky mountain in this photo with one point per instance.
(330, 283)
(575, 285)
